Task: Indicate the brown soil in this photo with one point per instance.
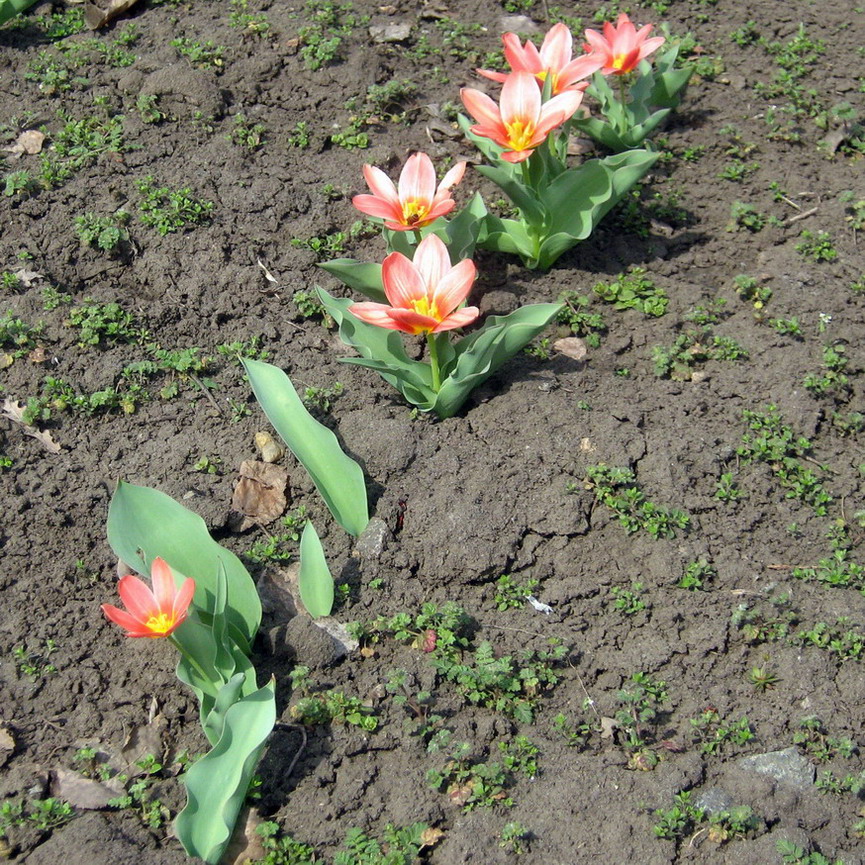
(499, 489)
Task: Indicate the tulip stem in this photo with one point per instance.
(174, 642)
(434, 361)
(417, 235)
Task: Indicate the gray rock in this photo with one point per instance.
(787, 767)
(390, 32)
(713, 800)
(373, 539)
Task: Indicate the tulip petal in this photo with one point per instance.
(521, 99)
(556, 49)
(521, 58)
(380, 184)
(120, 617)
(417, 180)
(557, 110)
(182, 600)
(371, 205)
(137, 598)
(374, 313)
(482, 108)
(401, 281)
(493, 76)
(451, 178)
(455, 286)
(432, 262)
(164, 587)
(460, 318)
(413, 322)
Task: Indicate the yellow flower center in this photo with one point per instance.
(160, 624)
(553, 76)
(422, 306)
(414, 212)
(520, 134)
(619, 61)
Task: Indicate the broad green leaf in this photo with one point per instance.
(524, 198)
(483, 352)
(217, 784)
(144, 523)
(362, 276)
(11, 8)
(315, 581)
(464, 231)
(337, 477)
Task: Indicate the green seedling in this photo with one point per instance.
(838, 639)
(692, 349)
(762, 678)
(17, 338)
(733, 823)
(397, 847)
(726, 489)
(282, 849)
(814, 739)
(81, 142)
(324, 246)
(617, 489)
(642, 700)
(299, 136)
(422, 722)
(282, 545)
(469, 781)
(147, 106)
(169, 210)
(745, 216)
(254, 23)
(330, 22)
(19, 184)
(773, 442)
(44, 815)
(833, 379)
(138, 799)
(309, 306)
(816, 246)
(679, 820)
(250, 348)
(768, 622)
(247, 134)
(514, 836)
(628, 601)
(387, 101)
(829, 782)
(34, 663)
(204, 55)
(749, 288)
(352, 137)
(696, 575)
(575, 315)
(103, 232)
(793, 854)
(316, 708)
(321, 398)
(634, 290)
(712, 733)
(787, 327)
(207, 465)
(101, 323)
(510, 594)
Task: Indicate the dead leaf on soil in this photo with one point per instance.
(270, 449)
(85, 793)
(27, 277)
(246, 844)
(100, 12)
(431, 836)
(277, 588)
(608, 727)
(572, 347)
(15, 412)
(143, 741)
(7, 745)
(29, 142)
(259, 495)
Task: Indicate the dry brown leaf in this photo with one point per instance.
(572, 347)
(100, 12)
(431, 836)
(29, 142)
(85, 793)
(15, 412)
(28, 277)
(608, 727)
(259, 495)
(143, 741)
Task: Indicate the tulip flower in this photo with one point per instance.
(155, 613)
(423, 295)
(554, 61)
(622, 46)
(521, 122)
(416, 202)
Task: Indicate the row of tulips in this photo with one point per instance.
(421, 288)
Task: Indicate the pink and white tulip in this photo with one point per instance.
(622, 46)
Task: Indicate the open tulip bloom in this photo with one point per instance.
(558, 206)
(646, 93)
(426, 296)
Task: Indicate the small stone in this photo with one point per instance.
(787, 767)
(714, 800)
(390, 32)
(373, 540)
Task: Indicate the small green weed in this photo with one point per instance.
(204, 55)
(254, 23)
(576, 316)
(629, 601)
(726, 489)
(282, 545)
(838, 639)
(692, 349)
(696, 575)
(749, 288)
(330, 22)
(745, 216)
(147, 106)
(103, 232)
(327, 707)
(104, 323)
(247, 134)
(137, 797)
(816, 246)
(617, 489)
(42, 814)
(17, 338)
(321, 398)
(169, 210)
(767, 622)
(679, 820)
(762, 678)
(833, 378)
(712, 732)
(510, 594)
(634, 290)
(81, 142)
(35, 663)
(642, 700)
(814, 739)
(793, 854)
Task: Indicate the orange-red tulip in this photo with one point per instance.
(553, 61)
(155, 613)
(423, 294)
(521, 122)
(622, 46)
(417, 201)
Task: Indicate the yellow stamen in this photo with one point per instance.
(414, 212)
(160, 624)
(423, 306)
(619, 61)
(520, 134)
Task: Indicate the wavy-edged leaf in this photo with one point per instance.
(362, 276)
(217, 784)
(144, 523)
(314, 581)
(11, 8)
(337, 477)
(483, 352)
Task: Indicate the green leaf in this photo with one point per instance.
(360, 275)
(144, 523)
(11, 8)
(337, 477)
(315, 581)
(217, 784)
(483, 352)
(465, 229)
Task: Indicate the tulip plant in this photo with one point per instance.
(558, 206)
(646, 94)
(425, 296)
